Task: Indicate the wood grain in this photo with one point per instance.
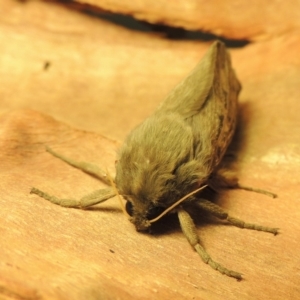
(101, 80)
(234, 19)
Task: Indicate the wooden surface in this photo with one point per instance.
(233, 19)
(61, 70)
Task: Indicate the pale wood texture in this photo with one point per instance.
(60, 66)
(233, 19)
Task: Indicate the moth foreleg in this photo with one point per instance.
(94, 198)
(189, 229)
(82, 165)
(220, 213)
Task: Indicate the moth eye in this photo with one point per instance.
(129, 208)
(154, 212)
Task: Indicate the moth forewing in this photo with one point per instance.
(188, 97)
(207, 101)
(214, 124)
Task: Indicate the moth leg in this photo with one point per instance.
(189, 229)
(220, 213)
(94, 198)
(225, 178)
(84, 166)
(256, 190)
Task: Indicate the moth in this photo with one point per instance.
(166, 161)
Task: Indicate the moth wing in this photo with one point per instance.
(189, 96)
(215, 122)
(207, 100)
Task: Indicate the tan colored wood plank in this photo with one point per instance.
(235, 19)
(106, 79)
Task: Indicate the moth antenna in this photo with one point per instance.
(113, 185)
(177, 203)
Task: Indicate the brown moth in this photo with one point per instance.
(176, 152)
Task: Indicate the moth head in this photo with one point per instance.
(151, 191)
(143, 218)
(146, 190)
(141, 214)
